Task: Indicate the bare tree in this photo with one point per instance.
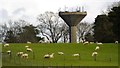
(65, 33)
(17, 26)
(14, 26)
(83, 29)
(3, 31)
(51, 26)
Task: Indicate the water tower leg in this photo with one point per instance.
(70, 34)
(73, 34)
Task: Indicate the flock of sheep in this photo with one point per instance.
(28, 49)
(77, 54)
(59, 53)
(20, 53)
(95, 51)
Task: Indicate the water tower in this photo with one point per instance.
(72, 19)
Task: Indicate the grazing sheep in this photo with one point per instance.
(94, 53)
(25, 55)
(116, 42)
(47, 56)
(97, 48)
(85, 43)
(91, 42)
(19, 53)
(9, 52)
(76, 55)
(52, 55)
(6, 45)
(26, 46)
(60, 53)
(29, 49)
(28, 42)
(99, 43)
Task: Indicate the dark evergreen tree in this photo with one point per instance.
(103, 29)
(114, 17)
(29, 34)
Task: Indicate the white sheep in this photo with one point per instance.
(97, 48)
(9, 52)
(85, 43)
(25, 55)
(19, 53)
(60, 53)
(29, 49)
(94, 53)
(6, 45)
(52, 55)
(91, 42)
(47, 56)
(26, 46)
(116, 42)
(99, 43)
(76, 55)
(28, 42)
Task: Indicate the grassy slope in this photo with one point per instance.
(106, 52)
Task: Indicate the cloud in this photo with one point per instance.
(29, 9)
(3, 15)
(19, 11)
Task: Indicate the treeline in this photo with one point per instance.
(107, 26)
(19, 32)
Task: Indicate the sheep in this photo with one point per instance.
(47, 56)
(85, 43)
(52, 55)
(26, 46)
(97, 48)
(25, 55)
(9, 52)
(76, 55)
(60, 53)
(29, 49)
(28, 42)
(99, 43)
(6, 45)
(116, 42)
(19, 53)
(94, 53)
(91, 42)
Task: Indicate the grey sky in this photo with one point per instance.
(29, 9)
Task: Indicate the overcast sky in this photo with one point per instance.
(30, 9)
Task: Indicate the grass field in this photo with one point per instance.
(107, 55)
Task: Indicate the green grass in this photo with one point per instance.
(107, 51)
